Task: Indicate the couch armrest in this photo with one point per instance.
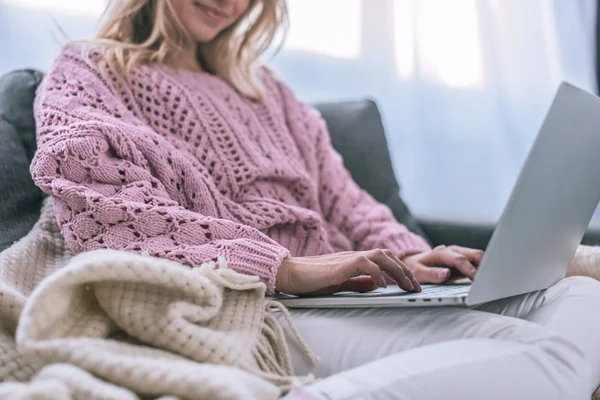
(592, 234)
(476, 232)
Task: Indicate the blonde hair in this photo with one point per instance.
(148, 31)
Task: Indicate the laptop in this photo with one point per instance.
(551, 205)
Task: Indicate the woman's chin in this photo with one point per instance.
(205, 36)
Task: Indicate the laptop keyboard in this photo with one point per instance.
(429, 291)
(442, 291)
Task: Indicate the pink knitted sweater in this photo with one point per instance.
(181, 166)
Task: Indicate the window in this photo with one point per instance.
(33, 31)
(87, 8)
(314, 30)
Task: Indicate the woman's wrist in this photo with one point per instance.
(282, 280)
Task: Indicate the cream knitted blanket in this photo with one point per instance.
(115, 325)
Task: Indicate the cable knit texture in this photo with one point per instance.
(112, 325)
(181, 166)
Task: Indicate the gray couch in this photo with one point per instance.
(356, 130)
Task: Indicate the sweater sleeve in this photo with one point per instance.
(95, 158)
(366, 222)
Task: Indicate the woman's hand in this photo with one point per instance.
(434, 266)
(356, 271)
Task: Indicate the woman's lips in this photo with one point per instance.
(211, 11)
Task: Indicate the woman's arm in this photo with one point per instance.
(366, 222)
(99, 163)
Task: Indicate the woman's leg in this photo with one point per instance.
(570, 308)
(441, 353)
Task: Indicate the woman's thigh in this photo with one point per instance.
(569, 308)
(347, 338)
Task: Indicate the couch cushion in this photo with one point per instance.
(17, 91)
(20, 199)
(357, 134)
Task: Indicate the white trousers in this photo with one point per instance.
(543, 345)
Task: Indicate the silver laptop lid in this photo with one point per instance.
(551, 205)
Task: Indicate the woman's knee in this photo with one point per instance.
(576, 286)
(582, 282)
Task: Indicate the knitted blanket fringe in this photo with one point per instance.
(115, 325)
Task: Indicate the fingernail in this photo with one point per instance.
(383, 282)
(409, 284)
(444, 273)
(417, 285)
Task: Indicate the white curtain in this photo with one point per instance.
(463, 85)
(33, 31)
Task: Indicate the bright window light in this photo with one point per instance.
(328, 27)
(404, 36)
(442, 37)
(81, 8)
(448, 42)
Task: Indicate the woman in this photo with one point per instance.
(165, 138)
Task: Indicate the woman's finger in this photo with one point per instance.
(407, 271)
(448, 258)
(475, 256)
(356, 266)
(425, 274)
(395, 270)
(360, 284)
